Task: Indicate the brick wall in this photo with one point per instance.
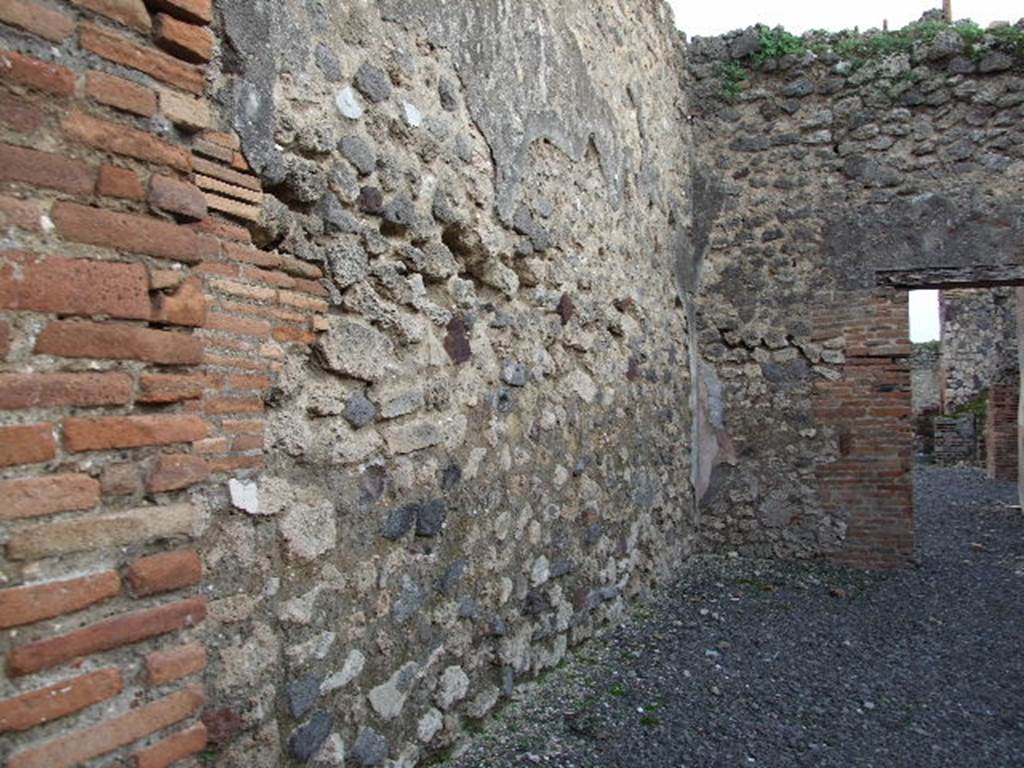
(1001, 431)
(139, 334)
(866, 403)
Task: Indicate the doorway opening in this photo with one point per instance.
(965, 378)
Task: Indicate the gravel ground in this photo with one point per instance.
(753, 663)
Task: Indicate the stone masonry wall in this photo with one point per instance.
(834, 170)
(925, 394)
(979, 342)
(343, 366)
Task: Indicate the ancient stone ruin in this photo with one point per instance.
(358, 359)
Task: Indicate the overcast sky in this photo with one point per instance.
(718, 16)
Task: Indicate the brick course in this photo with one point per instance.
(27, 710)
(35, 602)
(80, 746)
(47, 495)
(105, 635)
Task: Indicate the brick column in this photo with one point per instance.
(866, 403)
(140, 332)
(1001, 432)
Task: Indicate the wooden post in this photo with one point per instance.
(947, 11)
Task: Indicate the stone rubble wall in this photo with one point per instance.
(357, 359)
(925, 395)
(344, 372)
(825, 173)
(979, 342)
(925, 363)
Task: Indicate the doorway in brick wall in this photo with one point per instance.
(965, 377)
(893, 403)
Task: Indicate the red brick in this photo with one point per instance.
(168, 388)
(42, 169)
(177, 747)
(27, 444)
(289, 316)
(176, 471)
(27, 710)
(172, 664)
(108, 432)
(225, 174)
(252, 427)
(27, 605)
(240, 325)
(104, 635)
(196, 11)
(186, 41)
(211, 445)
(121, 50)
(186, 306)
(268, 277)
(301, 301)
(116, 529)
(45, 390)
(248, 382)
(249, 255)
(120, 93)
(35, 496)
(241, 363)
(73, 286)
(118, 342)
(299, 268)
(223, 229)
(20, 114)
(226, 140)
(123, 140)
(247, 443)
(24, 214)
(33, 73)
(176, 197)
(131, 13)
(119, 182)
(37, 19)
(80, 746)
(294, 335)
(126, 232)
(235, 463)
(164, 572)
(232, 405)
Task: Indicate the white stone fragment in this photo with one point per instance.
(348, 103)
(413, 117)
(244, 496)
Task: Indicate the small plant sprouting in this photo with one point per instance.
(776, 43)
(733, 76)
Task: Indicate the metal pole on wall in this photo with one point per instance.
(947, 11)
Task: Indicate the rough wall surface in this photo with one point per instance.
(832, 175)
(344, 366)
(979, 342)
(352, 354)
(926, 394)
